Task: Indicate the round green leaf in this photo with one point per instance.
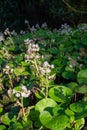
(82, 76)
(54, 123)
(60, 93)
(44, 103)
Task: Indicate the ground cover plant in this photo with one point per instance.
(43, 78)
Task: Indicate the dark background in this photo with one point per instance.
(54, 12)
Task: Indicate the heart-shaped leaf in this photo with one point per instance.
(54, 122)
(44, 103)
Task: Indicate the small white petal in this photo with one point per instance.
(24, 88)
(25, 94)
(52, 66)
(17, 94)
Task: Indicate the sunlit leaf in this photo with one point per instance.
(60, 93)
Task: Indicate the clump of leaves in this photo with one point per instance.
(43, 79)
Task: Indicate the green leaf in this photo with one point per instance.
(79, 124)
(1, 109)
(72, 85)
(69, 112)
(80, 108)
(54, 122)
(47, 57)
(7, 118)
(82, 76)
(60, 93)
(2, 127)
(68, 75)
(20, 71)
(58, 110)
(54, 51)
(17, 88)
(81, 89)
(26, 125)
(37, 123)
(24, 63)
(44, 103)
(17, 126)
(84, 41)
(41, 94)
(67, 68)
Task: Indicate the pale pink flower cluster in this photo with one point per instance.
(73, 62)
(37, 26)
(28, 41)
(22, 32)
(2, 38)
(65, 30)
(7, 70)
(26, 21)
(23, 93)
(14, 33)
(7, 31)
(33, 29)
(32, 52)
(44, 25)
(45, 69)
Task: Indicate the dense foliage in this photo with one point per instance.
(43, 78)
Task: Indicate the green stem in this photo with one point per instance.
(22, 106)
(10, 80)
(37, 69)
(35, 63)
(47, 85)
